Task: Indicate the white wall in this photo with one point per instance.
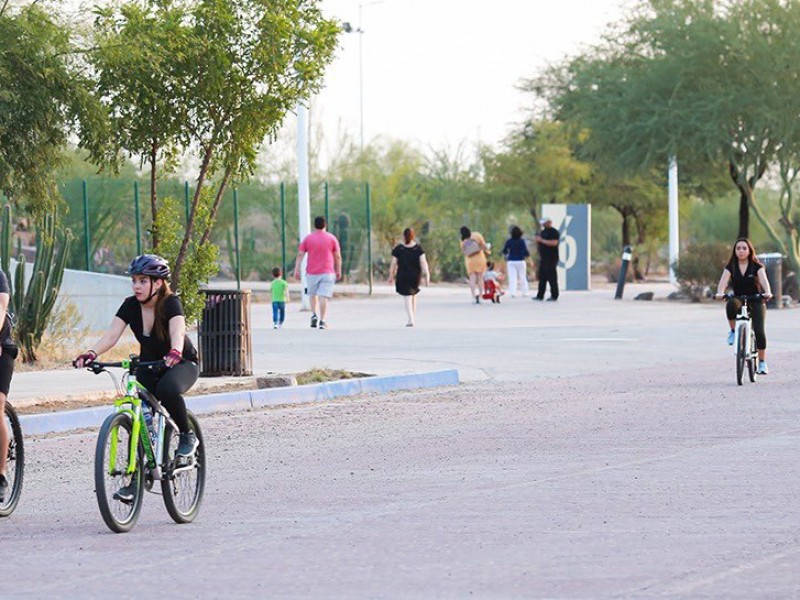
(97, 296)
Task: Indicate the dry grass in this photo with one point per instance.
(323, 375)
(66, 337)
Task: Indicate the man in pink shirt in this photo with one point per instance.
(324, 268)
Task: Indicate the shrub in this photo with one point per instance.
(699, 267)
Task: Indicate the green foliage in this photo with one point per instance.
(538, 165)
(34, 305)
(699, 268)
(201, 258)
(215, 78)
(44, 94)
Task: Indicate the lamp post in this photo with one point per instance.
(348, 28)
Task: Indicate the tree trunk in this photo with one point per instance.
(626, 229)
(201, 178)
(215, 208)
(154, 192)
(744, 211)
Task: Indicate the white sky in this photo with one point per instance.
(442, 72)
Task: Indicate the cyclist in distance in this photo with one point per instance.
(8, 352)
(155, 315)
(748, 277)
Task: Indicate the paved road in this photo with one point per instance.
(597, 460)
(582, 333)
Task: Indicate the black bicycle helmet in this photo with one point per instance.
(150, 264)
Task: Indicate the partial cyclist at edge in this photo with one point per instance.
(748, 277)
(155, 315)
(8, 352)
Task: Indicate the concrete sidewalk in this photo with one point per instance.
(518, 339)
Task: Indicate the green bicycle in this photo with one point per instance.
(15, 461)
(131, 453)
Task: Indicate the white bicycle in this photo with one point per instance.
(744, 341)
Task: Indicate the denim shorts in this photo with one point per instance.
(320, 285)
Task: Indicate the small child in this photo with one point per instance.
(280, 296)
(491, 275)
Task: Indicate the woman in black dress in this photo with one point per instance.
(408, 267)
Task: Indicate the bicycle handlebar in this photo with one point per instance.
(746, 297)
(132, 364)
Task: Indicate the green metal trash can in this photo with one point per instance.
(224, 340)
(773, 262)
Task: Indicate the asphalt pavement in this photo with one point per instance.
(598, 448)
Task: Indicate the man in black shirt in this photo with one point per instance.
(547, 241)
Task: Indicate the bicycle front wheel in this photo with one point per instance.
(119, 495)
(15, 461)
(184, 480)
(741, 354)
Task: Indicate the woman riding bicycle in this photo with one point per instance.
(155, 315)
(8, 352)
(748, 277)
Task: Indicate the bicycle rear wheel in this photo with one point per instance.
(110, 473)
(184, 481)
(741, 354)
(15, 461)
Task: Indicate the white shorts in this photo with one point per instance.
(320, 285)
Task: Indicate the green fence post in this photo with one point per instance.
(327, 207)
(186, 200)
(138, 218)
(369, 237)
(86, 243)
(283, 228)
(236, 239)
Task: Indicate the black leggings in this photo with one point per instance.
(169, 386)
(758, 312)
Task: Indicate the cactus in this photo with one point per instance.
(32, 307)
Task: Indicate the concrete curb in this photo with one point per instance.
(243, 400)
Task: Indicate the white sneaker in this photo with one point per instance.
(762, 368)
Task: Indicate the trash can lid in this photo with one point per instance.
(769, 255)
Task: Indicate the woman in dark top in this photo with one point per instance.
(408, 267)
(516, 252)
(155, 316)
(748, 277)
(8, 352)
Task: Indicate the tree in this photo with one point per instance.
(230, 71)
(679, 78)
(538, 165)
(43, 96)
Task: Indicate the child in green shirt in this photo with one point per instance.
(280, 296)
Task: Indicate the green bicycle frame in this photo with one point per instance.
(131, 405)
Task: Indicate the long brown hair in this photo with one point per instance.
(733, 261)
(160, 325)
(408, 235)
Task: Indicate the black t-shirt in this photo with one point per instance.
(408, 261)
(152, 347)
(5, 331)
(549, 253)
(744, 284)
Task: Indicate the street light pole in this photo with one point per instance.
(348, 28)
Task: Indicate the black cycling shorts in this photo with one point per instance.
(7, 369)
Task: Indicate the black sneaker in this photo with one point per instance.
(537, 299)
(3, 488)
(314, 320)
(551, 299)
(323, 325)
(187, 444)
(126, 494)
